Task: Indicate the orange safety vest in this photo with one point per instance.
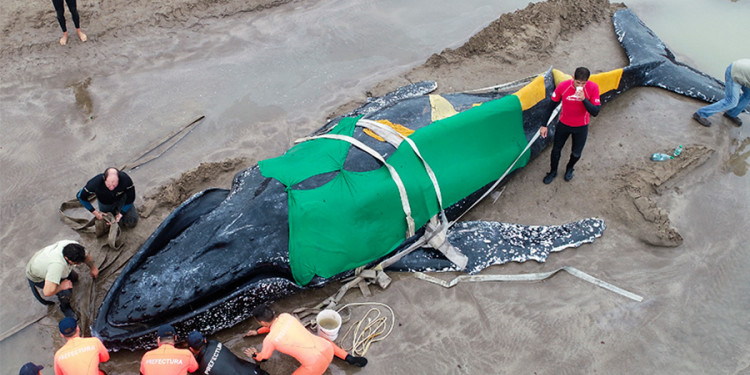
(289, 336)
(80, 356)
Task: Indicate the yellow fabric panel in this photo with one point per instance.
(532, 93)
(441, 108)
(607, 81)
(403, 130)
(560, 76)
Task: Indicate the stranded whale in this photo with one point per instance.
(362, 188)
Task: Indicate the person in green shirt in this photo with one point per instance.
(51, 270)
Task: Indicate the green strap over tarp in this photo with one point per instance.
(357, 217)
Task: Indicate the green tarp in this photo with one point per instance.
(357, 217)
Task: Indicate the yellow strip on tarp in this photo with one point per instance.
(560, 76)
(607, 81)
(535, 92)
(403, 130)
(532, 93)
(441, 108)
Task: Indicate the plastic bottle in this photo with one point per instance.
(677, 151)
(658, 156)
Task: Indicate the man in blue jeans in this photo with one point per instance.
(737, 95)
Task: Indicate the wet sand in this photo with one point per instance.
(675, 230)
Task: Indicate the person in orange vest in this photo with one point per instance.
(79, 355)
(166, 359)
(31, 369)
(287, 335)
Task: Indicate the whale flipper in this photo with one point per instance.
(487, 243)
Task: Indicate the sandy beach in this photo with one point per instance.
(676, 231)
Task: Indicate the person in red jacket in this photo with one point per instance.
(287, 335)
(580, 100)
(79, 355)
(166, 359)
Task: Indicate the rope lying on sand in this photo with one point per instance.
(373, 331)
(161, 146)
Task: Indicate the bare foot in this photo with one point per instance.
(81, 35)
(64, 39)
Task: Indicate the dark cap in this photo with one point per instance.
(195, 340)
(165, 331)
(68, 326)
(30, 369)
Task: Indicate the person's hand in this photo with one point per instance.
(251, 352)
(98, 214)
(252, 332)
(356, 361)
(66, 284)
(579, 95)
(543, 131)
(94, 272)
(118, 217)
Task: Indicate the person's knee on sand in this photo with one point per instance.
(130, 219)
(736, 95)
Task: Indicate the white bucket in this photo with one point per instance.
(329, 323)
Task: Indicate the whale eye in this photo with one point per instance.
(316, 181)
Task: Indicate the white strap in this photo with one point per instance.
(379, 128)
(436, 232)
(386, 132)
(530, 277)
(394, 174)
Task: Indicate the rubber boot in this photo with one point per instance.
(569, 168)
(67, 310)
(549, 177)
(569, 174)
(64, 298)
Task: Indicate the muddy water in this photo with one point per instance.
(294, 64)
(707, 35)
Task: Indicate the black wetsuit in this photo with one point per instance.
(216, 359)
(60, 9)
(115, 201)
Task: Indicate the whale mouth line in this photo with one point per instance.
(262, 278)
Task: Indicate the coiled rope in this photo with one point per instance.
(368, 329)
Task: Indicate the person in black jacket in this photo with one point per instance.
(216, 359)
(116, 194)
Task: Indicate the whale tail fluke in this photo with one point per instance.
(652, 63)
